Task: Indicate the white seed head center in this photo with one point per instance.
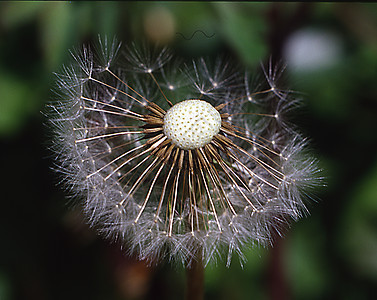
(191, 124)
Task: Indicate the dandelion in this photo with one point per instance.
(182, 162)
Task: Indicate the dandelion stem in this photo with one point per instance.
(195, 280)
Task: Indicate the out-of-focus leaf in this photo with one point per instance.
(107, 18)
(306, 267)
(59, 27)
(245, 32)
(16, 13)
(236, 282)
(197, 32)
(17, 101)
(358, 228)
(326, 92)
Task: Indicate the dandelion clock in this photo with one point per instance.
(182, 162)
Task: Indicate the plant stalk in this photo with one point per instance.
(195, 280)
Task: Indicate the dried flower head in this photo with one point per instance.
(179, 162)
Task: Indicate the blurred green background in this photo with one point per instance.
(47, 252)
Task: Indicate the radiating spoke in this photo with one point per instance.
(149, 192)
(107, 135)
(115, 159)
(139, 180)
(114, 113)
(112, 106)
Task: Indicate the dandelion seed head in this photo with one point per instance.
(191, 124)
(202, 178)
